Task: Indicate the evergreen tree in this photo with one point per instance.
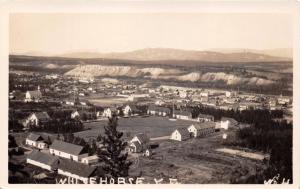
(112, 151)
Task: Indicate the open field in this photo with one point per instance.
(152, 126)
(194, 161)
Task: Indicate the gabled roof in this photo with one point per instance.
(42, 116)
(34, 137)
(184, 132)
(143, 138)
(76, 168)
(43, 158)
(67, 147)
(204, 125)
(35, 94)
(158, 108)
(137, 145)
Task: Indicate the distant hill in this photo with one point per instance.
(163, 54)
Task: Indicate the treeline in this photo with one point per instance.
(264, 134)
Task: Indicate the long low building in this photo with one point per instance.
(68, 150)
(42, 160)
(75, 170)
(202, 129)
(63, 166)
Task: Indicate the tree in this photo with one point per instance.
(112, 151)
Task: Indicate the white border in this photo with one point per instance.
(140, 6)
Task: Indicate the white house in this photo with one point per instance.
(108, 112)
(68, 150)
(33, 96)
(135, 147)
(37, 119)
(140, 138)
(201, 129)
(185, 115)
(75, 114)
(130, 110)
(90, 160)
(42, 160)
(36, 141)
(228, 122)
(180, 134)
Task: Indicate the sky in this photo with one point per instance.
(54, 34)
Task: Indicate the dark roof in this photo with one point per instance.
(76, 168)
(42, 116)
(205, 125)
(185, 113)
(183, 131)
(34, 137)
(143, 138)
(159, 109)
(137, 145)
(67, 147)
(43, 158)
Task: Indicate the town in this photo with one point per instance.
(55, 122)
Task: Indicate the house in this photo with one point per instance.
(228, 122)
(68, 150)
(180, 134)
(90, 160)
(205, 118)
(141, 138)
(202, 129)
(185, 115)
(135, 147)
(130, 110)
(36, 140)
(157, 110)
(108, 112)
(37, 119)
(139, 143)
(42, 160)
(75, 170)
(75, 114)
(33, 96)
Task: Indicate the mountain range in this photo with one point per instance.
(215, 55)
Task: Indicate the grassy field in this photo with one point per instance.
(194, 161)
(152, 126)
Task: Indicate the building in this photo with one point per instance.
(140, 138)
(42, 160)
(36, 141)
(68, 150)
(90, 160)
(205, 118)
(157, 110)
(185, 115)
(33, 96)
(75, 170)
(201, 129)
(75, 114)
(135, 147)
(37, 119)
(180, 134)
(130, 110)
(228, 122)
(108, 112)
